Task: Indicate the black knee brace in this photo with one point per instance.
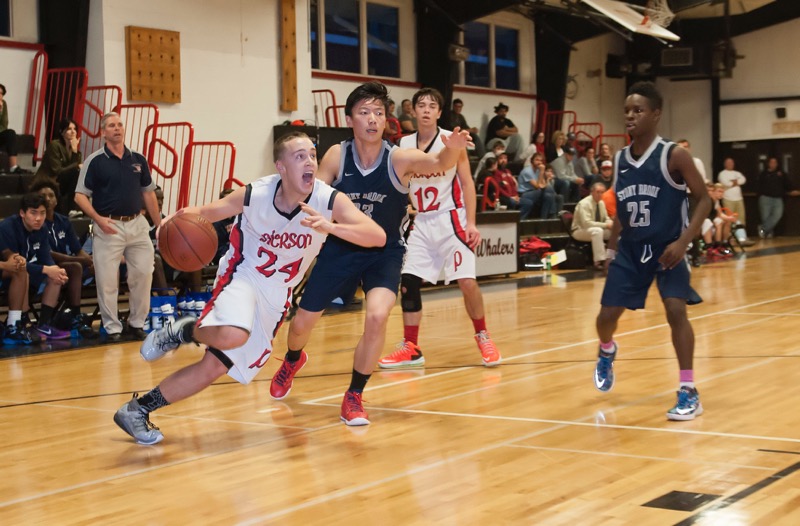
(411, 299)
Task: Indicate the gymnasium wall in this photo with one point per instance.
(769, 69)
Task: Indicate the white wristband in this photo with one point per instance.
(611, 253)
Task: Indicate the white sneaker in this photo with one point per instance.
(168, 338)
(131, 419)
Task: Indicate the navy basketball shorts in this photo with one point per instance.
(340, 270)
(632, 272)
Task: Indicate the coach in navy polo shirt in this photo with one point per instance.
(119, 184)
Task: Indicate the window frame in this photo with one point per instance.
(492, 24)
(363, 37)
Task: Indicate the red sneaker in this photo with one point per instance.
(353, 413)
(281, 383)
(407, 355)
(489, 353)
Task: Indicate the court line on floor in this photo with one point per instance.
(559, 347)
(642, 457)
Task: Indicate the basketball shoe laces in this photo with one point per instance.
(166, 339)
(353, 402)
(405, 351)
(486, 345)
(603, 366)
(286, 372)
(142, 421)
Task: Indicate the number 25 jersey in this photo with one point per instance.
(651, 206)
(269, 246)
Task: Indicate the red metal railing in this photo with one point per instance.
(324, 99)
(64, 98)
(541, 117)
(617, 141)
(335, 114)
(558, 120)
(586, 133)
(34, 111)
(137, 119)
(99, 101)
(207, 168)
(166, 146)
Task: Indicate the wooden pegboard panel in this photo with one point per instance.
(153, 64)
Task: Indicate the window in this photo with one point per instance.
(476, 68)
(493, 60)
(382, 50)
(5, 18)
(506, 58)
(342, 46)
(359, 37)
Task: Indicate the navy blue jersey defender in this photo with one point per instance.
(653, 211)
(652, 208)
(342, 266)
(376, 190)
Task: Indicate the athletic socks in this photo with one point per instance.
(480, 325)
(187, 333)
(13, 317)
(152, 400)
(46, 315)
(293, 356)
(411, 333)
(687, 378)
(608, 347)
(358, 381)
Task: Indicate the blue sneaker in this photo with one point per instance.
(604, 370)
(688, 405)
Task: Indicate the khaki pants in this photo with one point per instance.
(132, 240)
(597, 236)
(737, 207)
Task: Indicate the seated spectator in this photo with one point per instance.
(8, 137)
(62, 164)
(66, 250)
(606, 175)
(535, 191)
(567, 182)
(538, 142)
(495, 151)
(23, 235)
(457, 120)
(408, 121)
(586, 167)
(610, 199)
(509, 195)
(390, 130)
(15, 279)
(502, 129)
(487, 171)
(556, 147)
(591, 223)
(604, 153)
(716, 228)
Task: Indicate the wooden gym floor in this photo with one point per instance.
(529, 442)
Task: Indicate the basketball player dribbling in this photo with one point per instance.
(281, 223)
(375, 175)
(649, 240)
(443, 238)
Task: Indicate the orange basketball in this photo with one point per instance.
(187, 242)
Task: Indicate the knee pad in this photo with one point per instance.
(411, 299)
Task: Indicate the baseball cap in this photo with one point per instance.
(606, 164)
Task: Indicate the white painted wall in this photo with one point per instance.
(687, 115)
(230, 71)
(15, 76)
(768, 70)
(599, 98)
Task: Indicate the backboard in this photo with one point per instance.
(631, 19)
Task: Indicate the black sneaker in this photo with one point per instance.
(82, 328)
(17, 334)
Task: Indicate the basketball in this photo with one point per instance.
(187, 242)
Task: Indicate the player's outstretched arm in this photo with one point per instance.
(329, 165)
(464, 174)
(229, 206)
(351, 224)
(409, 160)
